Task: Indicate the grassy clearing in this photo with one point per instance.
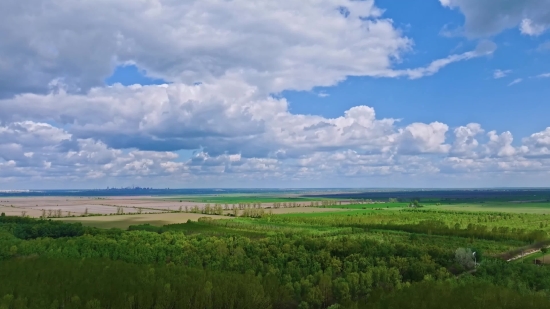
(124, 221)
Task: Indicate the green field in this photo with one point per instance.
(528, 207)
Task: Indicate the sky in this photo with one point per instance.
(291, 94)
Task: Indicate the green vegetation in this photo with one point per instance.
(370, 256)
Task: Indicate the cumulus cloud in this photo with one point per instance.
(465, 143)
(538, 144)
(224, 117)
(500, 145)
(489, 17)
(33, 150)
(279, 45)
(423, 138)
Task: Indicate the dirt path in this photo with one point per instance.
(524, 254)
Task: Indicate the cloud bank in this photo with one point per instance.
(219, 117)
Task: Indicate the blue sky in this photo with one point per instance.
(448, 93)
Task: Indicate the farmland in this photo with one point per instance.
(360, 253)
(164, 218)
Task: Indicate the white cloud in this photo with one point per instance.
(228, 116)
(544, 75)
(423, 138)
(527, 27)
(489, 17)
(484, 48)
(515, 81)
(538, 144)
(500, 145)
(465, 143)
(279, 45)
(501, 73)
(236, 133)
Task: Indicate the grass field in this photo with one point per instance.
(511, 207)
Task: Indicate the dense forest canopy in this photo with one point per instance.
(366, 260)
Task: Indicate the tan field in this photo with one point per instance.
(12, 211)
(77, 206)
(159, 219)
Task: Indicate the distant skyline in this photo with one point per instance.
(289, 94)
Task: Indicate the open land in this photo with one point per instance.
(78, 206)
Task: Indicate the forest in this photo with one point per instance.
(407, 258)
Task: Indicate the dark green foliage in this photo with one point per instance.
(29, 228)
(146, 227)
(448, 295)
(44, 283)
(520, 276)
